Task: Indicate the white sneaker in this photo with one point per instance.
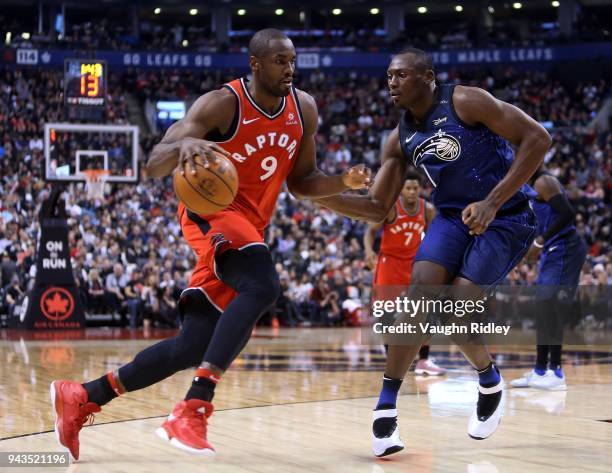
(549, 381)
(488, 412)
(429, 368)
(523, 381)
(385, 433)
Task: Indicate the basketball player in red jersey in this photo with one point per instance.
(267, 128)
(402, 232)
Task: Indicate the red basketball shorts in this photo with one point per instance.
(392, 271)
(209, 237)
(392, 277)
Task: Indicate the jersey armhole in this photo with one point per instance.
(400, 138)
(456, 115)
(297, 105)
(215, 135)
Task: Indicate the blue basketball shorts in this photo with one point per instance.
(484, 259)
(560, 265)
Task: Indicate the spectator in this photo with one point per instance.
(96, 301)
(326, 302)
(13, 292)
(115, 282)
(132, 291)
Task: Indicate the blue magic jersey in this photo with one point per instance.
(463, 162)
(546, 215)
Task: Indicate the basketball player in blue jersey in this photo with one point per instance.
(562, 253)
(461, 138)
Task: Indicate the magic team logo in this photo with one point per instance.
(441, 145)
(56, 304)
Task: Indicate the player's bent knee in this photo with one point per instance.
(252, 273)
(266, 289)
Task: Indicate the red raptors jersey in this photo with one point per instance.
(402, 238)
(264, 148)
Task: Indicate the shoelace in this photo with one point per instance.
(86, 414)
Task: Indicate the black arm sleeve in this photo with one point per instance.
(566, 213)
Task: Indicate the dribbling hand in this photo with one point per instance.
(478, 215)
(192, 147)
(357, 177)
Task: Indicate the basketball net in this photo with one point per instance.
(95, 179)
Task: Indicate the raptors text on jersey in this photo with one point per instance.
(264, 148)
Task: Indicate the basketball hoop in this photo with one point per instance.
(95, 179)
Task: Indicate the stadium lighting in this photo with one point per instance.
(517, 5)
(374, 11)
(25, 35)
(336, 11)
(185, 43)
(279, 11)
(7, 38)
(458, 8)
(157, 11)
(422, 10)
(193, 11)
(241, 12)
(491, 9)
(555, 4)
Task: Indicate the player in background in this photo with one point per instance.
(267, 128)
(461, 138)
(561, 252)
(402, 232)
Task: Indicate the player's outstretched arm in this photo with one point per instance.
(385, 190)
(476, 106)
(184, 139)
(308, 181)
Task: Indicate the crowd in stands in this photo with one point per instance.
(128, 255)
(441, 32)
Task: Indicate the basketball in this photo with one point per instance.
(209, 190)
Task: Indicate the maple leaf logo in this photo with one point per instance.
(57, 304)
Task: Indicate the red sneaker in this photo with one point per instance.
(72, 411)
(186, 427)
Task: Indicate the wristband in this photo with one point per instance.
(537, 245)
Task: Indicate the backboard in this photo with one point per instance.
(72, 148)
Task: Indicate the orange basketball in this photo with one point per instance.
(209, 190)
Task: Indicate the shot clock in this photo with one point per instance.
(85, 88)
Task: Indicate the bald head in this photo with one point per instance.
(259, 45)
(417, 57)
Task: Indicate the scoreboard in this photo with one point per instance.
(85, 86)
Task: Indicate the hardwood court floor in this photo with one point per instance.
(300, 400)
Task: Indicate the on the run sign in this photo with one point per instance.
(53, 302)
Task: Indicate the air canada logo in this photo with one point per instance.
(441, 145)
(57, 304)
